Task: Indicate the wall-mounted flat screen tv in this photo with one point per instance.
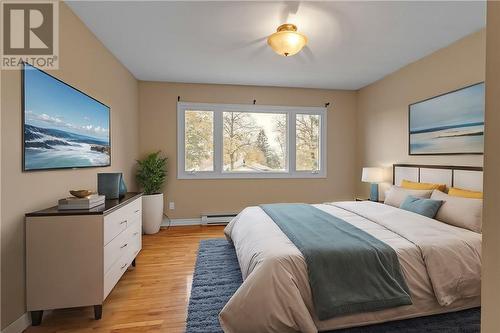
(62, 126)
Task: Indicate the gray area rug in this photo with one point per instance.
(217, 276)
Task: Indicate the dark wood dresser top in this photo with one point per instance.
(108, 207)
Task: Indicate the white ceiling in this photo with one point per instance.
(351, 44)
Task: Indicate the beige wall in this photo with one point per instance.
(491, 223)
(158, 122)
(368, 127)
(383, 105)
(1, 107)
(86, 64)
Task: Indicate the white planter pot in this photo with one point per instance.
(152, 213)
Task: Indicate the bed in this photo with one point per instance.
(440, 262)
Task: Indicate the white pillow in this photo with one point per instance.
(460, 212)
(396, 195)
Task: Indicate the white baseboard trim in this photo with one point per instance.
(180, 222)
(19, 325)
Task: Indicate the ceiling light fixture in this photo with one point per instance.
(286, 41)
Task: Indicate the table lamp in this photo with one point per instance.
(373, 176)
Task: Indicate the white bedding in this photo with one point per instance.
(441, 265)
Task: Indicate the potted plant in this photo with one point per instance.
(151, 175)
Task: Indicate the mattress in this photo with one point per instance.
(440, 263)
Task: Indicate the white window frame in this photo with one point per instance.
(218, 110)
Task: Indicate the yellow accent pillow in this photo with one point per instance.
(458, 192)
(422, 186)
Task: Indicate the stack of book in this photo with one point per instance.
(88, 202)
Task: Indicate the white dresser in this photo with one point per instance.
(75, 258)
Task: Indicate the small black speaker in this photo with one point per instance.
(111, 185)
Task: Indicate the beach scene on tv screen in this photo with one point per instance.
(449, 124)
(63, 128)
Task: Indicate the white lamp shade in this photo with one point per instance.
(372, 175)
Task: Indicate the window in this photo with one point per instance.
(250, 141)
(307, 141)
(199, 140)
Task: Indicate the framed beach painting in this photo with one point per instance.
(449, 124)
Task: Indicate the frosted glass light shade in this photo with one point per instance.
(286, 41)
(372, 175)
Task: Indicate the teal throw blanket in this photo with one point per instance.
(349, 270)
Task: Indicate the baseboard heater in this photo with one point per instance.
(217, 218)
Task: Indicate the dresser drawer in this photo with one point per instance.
(119, 246)
(115, 273)
(119, 220)
(135, 209)
(135, 240)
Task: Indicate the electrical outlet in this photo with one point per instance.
(171, 205)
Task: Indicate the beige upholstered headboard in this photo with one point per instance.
(465, 177)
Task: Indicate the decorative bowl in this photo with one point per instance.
(80, 193)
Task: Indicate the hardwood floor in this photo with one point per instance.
(152, 297)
